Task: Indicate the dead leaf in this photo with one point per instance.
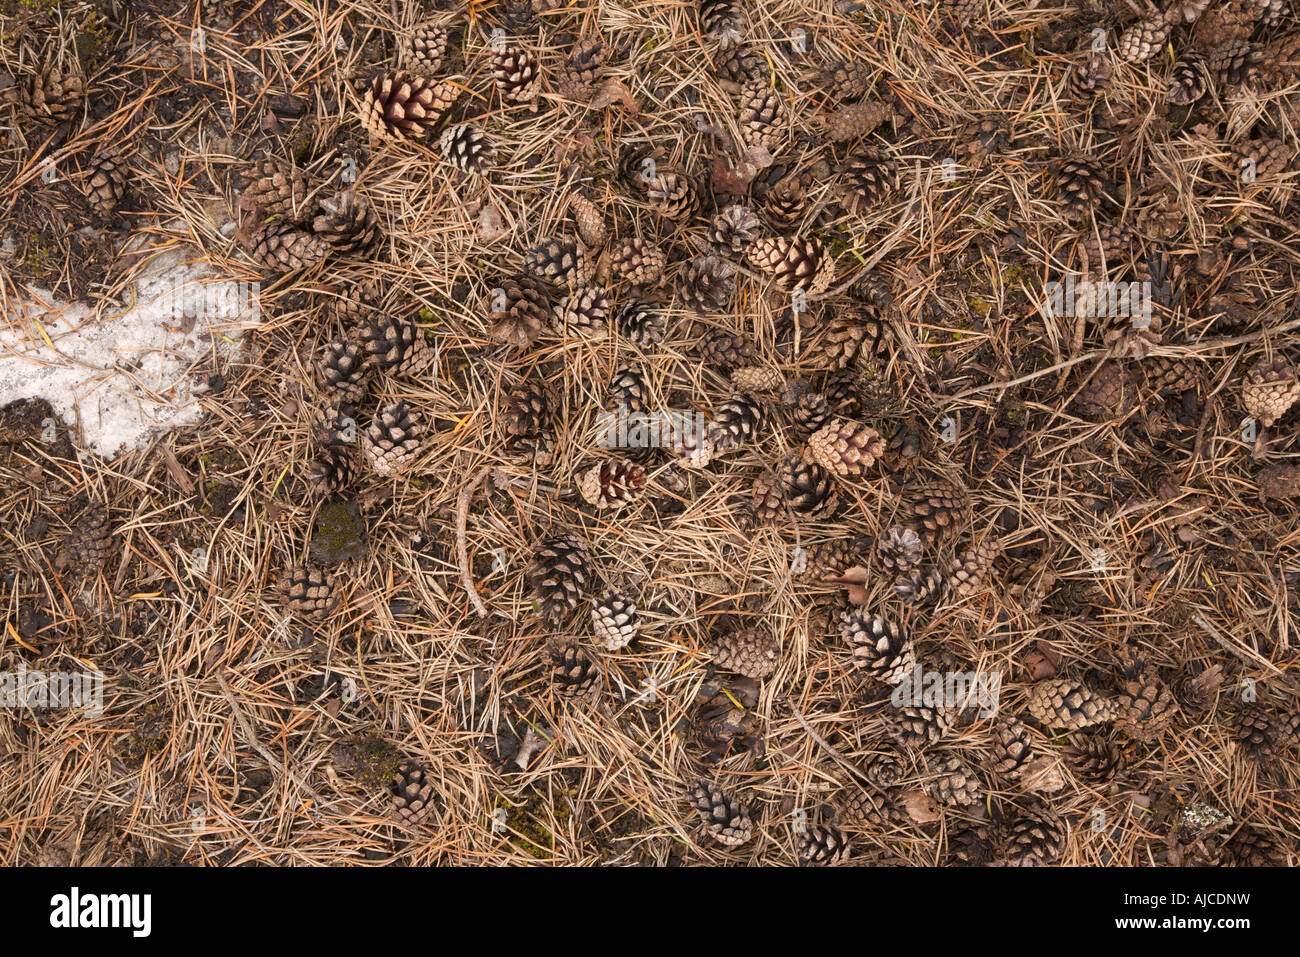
(1042, 662)
(491, 225)
(920, 807)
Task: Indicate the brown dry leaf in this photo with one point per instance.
(491, 225)
(1042, 662)
(920, 807)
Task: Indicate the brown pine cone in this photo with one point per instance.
(733, 230)
(333, 469)
(881, 647)
(1236, 63)
(397, 346)
(106, 184)
(811, 411)
(736, 423)
(845, 79)
(281, 247)
(91, 544)
(1166, 374)
(1014, 746)
(762, 115)
(559, 574)
(833, 558)
(720, 19)
(724, 723)
(638, 261)
(341, 373)
(403, 105)
(939, 511)
(972, 567)
(856, 120)
(1107, 393)
(900, 549)
(919, 585)
(583, 70)
(1270, 389)
(517, 73)
(391, 442)
(628, 390)
(641, 323)
(1189, 80)
(1081, 184)
(614, 621)
(1281, 65)
(564, 261)
(785, 202)
(869, 176)
(412, 793)
(585, 312)
(674, 195)
(706, 283)
(915, 726)
(843, 338)
(307, 593)
(1090, 76)
(424, 48)
(1146, 707)
(723, 351)
(589, 220)
(348, 222)
(752, 652)
(955, 782)
(520, 309)
(612, 483)
(1185, 11)
(738, 64)
(466, 147)
(823, 845)
(574, 675)
(725, 820)
(1251, 847)
(1035, 838)
(862, 811)
(757, 379)
(844, 448)
(1268, 156)
(1095, 757)
(1255, 732)
(795, 262)
(807, 488)
(1061, 703)
(1108, 244)
(1144, 39)
(50, 97)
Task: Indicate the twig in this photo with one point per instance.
(462, 550)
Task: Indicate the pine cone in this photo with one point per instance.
(392, 440)
(1144, 39)
(807, 488)
(706, 283)
(1236, 63)
(939, 511)
(612, 483)
(1082, 185)
(762, 115)
(341, 373)
(900, 549)
(720, 19)
(1250, 847)
(757, 379)
(1266, 157)
(517, 73)
(1015, 747)
(794, 262)
(559, 574)
(641, 323)
(1189, 81)
(738, 64)
(856, 120)
(638, 261)
(1165, 374)
(1185, 11)
(1255, 732)
(281, 247)
(832, 558)
(1108, 244)
(1061, 703)
(736, 422)
(869, 176)
(674, 195)
(333, 470)
(844, 337)
(691, 444)
(520, 16)
(521, 307)
(574, 675)
(971, 845)
(1090, 76)
(1279, 482)
(564, 261)
(811, 411)
(395, 345)
(733, 230)
(92, 543)
(425, 47)
(844, 448)
(107, 182)
(468, 148)
(403, 105)
(972, 567)
(916, 726)
(955, 782)
(1281, 65)
(752, 652)
(725, 820)
(724, 351)
(51, 97)
(785, 202)
(584, 312)
(349, 224)
(724, 723)
(1107, 393)
(1270, 389)
(628, 390)
(1095, 757)
(614, 621)
(412, 793)
(845, 79)
(881, 647)
(1036, 838)
(920, 585)
(307, 593)
(583, 70)
(530, 423)
(1145, 708)
(865, 812)
(358, 303)
(823, 845)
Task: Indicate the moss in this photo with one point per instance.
(340, 534)
(979, 307)
(377, 761)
